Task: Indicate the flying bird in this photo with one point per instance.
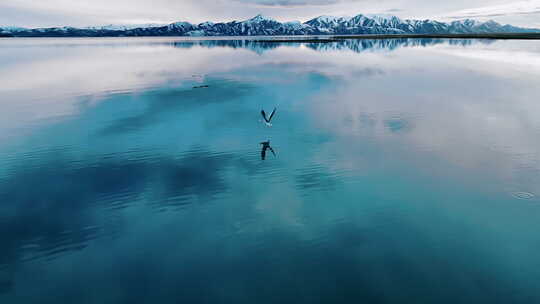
(268, 119)
(266, 146)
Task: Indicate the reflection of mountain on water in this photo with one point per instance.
(253, 45)
(355, 45)
(362, 45)
(264, 44)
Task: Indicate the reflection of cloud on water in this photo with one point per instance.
(461, 112)
(70, 203)
(506, 63)
(46, 86)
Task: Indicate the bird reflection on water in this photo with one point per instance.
(266, 146)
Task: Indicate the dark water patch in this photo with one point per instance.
(350, 263)
(199, 174)
(398, 124)
(6, 278)
(316, 178)
(52, 208)
(49, 204)
(5, 286)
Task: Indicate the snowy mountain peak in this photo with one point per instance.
(491, 22)
(207, 23)
(182, 25)
(260, 18)
(326, 24)
(331, 19)
(384, 18)
(466, 21)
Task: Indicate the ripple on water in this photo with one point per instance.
(522, 195)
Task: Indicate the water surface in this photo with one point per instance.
(405, 171)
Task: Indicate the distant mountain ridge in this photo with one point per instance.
(264, 26)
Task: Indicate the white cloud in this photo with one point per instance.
(512, 8)
(81, 13)
(521, 13)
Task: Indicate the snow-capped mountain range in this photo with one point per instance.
(264, 26)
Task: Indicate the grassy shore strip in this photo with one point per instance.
(457, 36)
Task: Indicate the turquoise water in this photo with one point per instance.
(405, 171)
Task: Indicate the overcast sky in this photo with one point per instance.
(41, 13)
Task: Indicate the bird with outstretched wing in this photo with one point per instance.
(267, 120)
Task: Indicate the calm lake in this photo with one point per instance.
(405, 171)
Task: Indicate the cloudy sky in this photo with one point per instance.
(32, 13)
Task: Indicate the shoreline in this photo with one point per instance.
(322, 38)
(528, 36)
(337, 38)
